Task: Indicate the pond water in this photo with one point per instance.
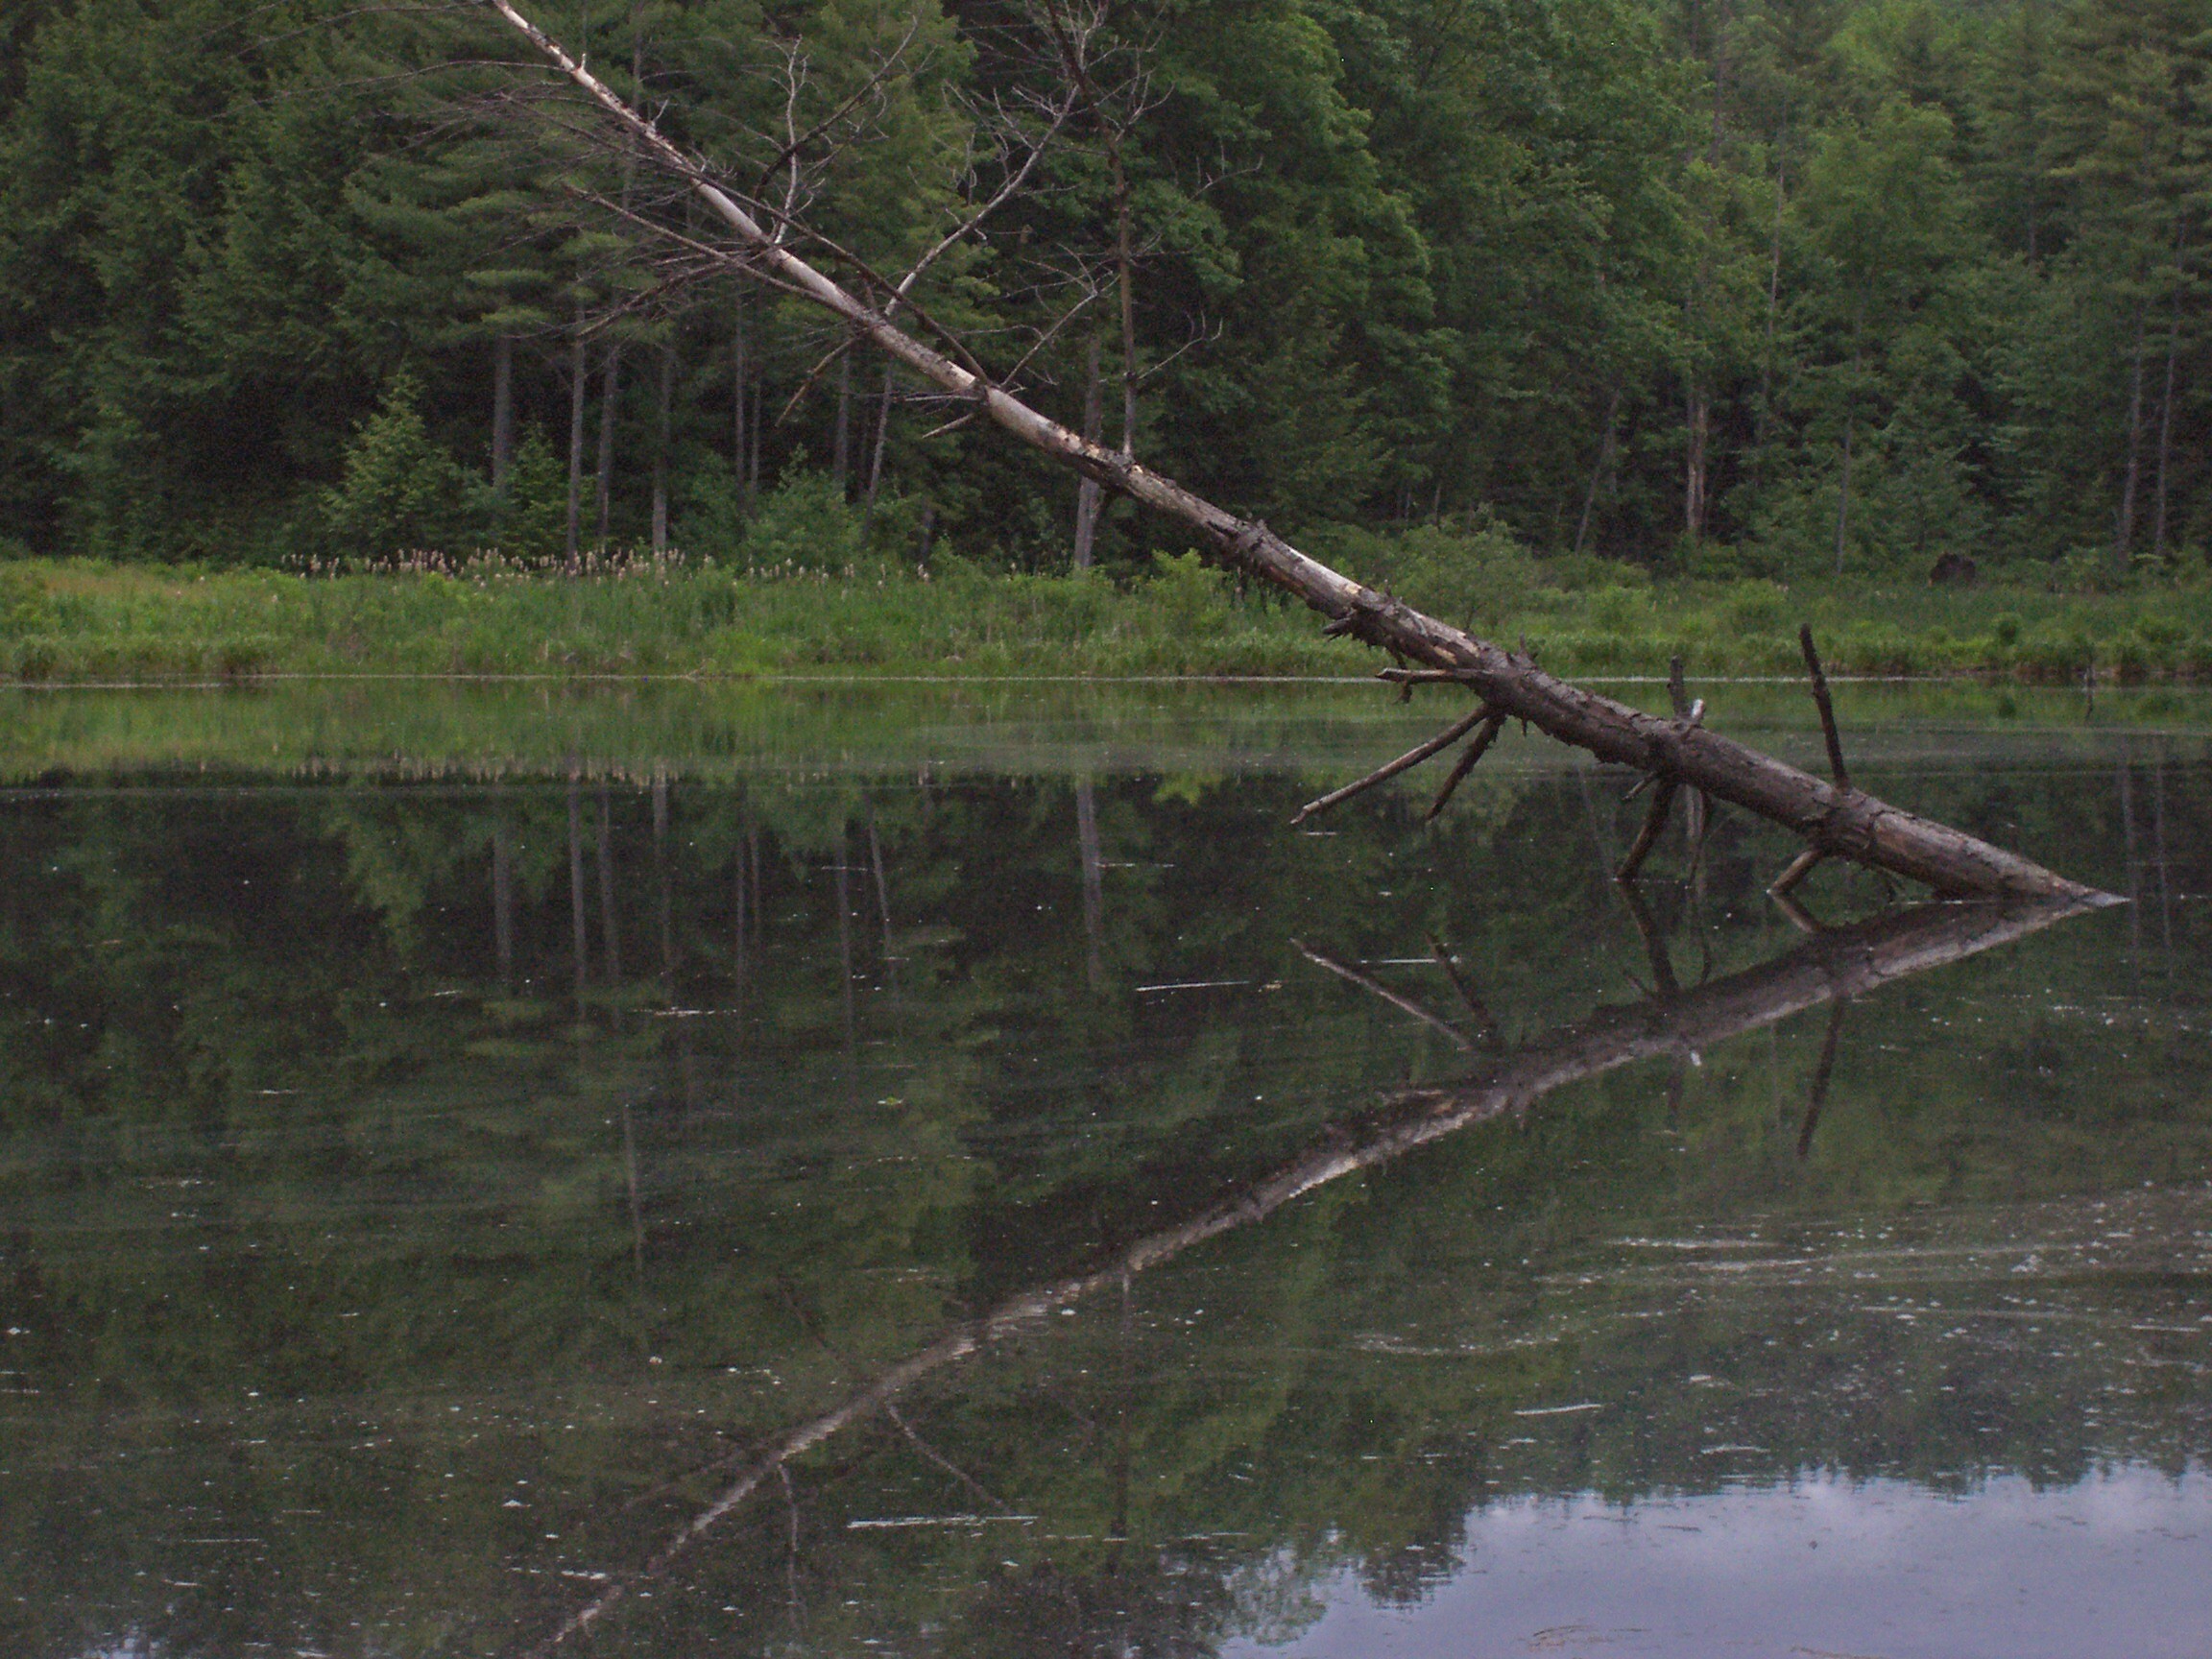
(815, 1170)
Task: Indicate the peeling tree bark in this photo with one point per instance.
(1838, 822)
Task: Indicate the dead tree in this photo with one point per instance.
(1835, 819)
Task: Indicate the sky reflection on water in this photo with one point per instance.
(2115, 1565)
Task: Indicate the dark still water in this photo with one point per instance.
(827, 1176)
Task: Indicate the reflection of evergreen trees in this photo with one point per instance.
(332, 1224)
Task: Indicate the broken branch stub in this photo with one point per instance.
(1837, 821)
(1404, 762)
(1476, 749)
(1820, 700)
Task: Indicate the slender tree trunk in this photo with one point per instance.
(1598, 472)
(665, 411)
(1850, 425)
(841, 451)
(1125, 275)
(752, 434)
(610, 403)
(1088, 494)
(2165, 436)
(611, 394)
(1773, 301)
(502, 411)
(2124, 536)
(1843, 491)
(1699, 420)
(1697, 402)
(579, 371)
(875, 453)
(2166, 410)
(739, 373)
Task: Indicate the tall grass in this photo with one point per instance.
(87, 621)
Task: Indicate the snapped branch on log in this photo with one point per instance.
(1801, 867)
(1478, 747)
(1404, 762)
(1829, 734)
(1840, 821)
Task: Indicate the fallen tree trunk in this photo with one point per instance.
(1835, 819)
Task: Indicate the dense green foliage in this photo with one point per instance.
(1774, 287)
(413, 1191)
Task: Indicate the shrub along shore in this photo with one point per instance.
(83, 621)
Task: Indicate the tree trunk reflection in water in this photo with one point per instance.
(661, 881)
(610, 927)
(576, 882)
(1816, 1097)
(2127, 782)
(1094, 881)
(738, 964)
(630, 1181)
(845, 965)
(1831, 967)
(503, 904)
(883, 913)
(2158, 846)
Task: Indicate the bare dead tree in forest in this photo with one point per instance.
(771, 244)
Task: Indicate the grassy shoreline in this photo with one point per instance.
(80, 621)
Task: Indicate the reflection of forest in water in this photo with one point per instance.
(428, 1197)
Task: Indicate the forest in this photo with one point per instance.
(1713, 288)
